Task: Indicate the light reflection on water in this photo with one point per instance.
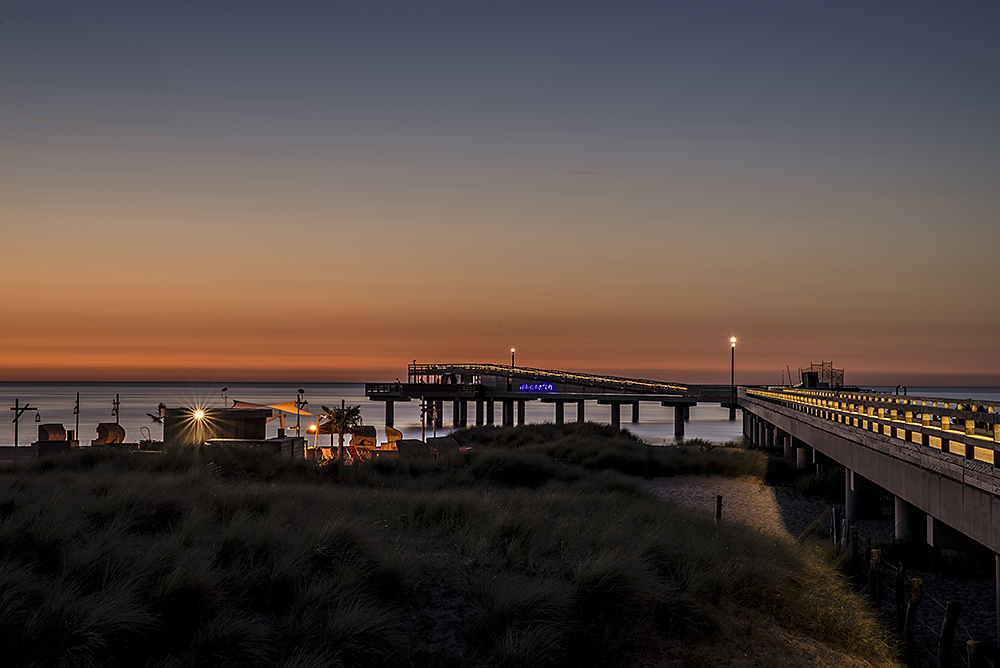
(55, 402)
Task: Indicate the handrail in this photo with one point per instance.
(919, 420)
(530, 372)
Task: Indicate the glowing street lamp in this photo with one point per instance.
(199, 418)
(732, 379)
(225, 399)
(512, 357)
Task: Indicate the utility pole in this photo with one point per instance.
(18, 412)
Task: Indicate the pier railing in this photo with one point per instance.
(965, 427)
(568, 377)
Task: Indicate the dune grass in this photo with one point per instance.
(535, 548)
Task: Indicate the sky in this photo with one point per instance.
(323, 191)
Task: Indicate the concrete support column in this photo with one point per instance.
(862, 497)
(616, 416)
(560, 409)
(520, 412)
(803, 454)
(911, 522)
(746, 425)
(389, 405)
(769, 435)
(635, 413)
(579, 411)
(678, 422)
(456, 414)
(463, 411)
(508, 412)
(822, 462)
(439, 413)
(490, 407)
(687, 413)
(479, 412)
(761, 425)
(781, 439)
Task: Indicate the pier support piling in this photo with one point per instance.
(559, 412)
(861, 497)
(579, 411)
(679, 422)
(911, 522)
(389, 405)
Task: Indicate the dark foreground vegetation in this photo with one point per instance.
(535, 548)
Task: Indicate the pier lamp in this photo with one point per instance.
(512, 357)
(732, 379)
(225, 399)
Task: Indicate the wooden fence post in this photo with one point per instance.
(951, 613)
(911, 619)
(976, 653)
(874, 581)
(900, 598)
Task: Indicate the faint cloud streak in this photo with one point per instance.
(593, 173)
(91, 126)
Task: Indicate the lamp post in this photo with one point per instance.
(199, 416)
(732, 379)
(76, 412)
(299, 403)
(114, 411)
(512, 358)
(18, 412)
(225, 399)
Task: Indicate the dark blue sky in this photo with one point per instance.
(574, 160)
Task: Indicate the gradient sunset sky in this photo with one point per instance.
(321, 191)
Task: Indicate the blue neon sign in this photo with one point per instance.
(537, 387)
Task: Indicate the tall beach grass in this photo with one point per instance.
(535, 548)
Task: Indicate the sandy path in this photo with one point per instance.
(743, 499)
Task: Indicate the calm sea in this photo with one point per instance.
(55, 403)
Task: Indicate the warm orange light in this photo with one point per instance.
(199, 414)
(511, 350)
(732, 341)
(312, 428)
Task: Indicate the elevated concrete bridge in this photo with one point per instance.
(937, 457)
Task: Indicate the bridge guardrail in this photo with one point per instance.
(927, 421)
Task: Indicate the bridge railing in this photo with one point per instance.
(503, 370)
(965, 427)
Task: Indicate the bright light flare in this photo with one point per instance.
(732, 341)
(199, 414)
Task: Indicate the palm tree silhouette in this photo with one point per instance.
(340, 421)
